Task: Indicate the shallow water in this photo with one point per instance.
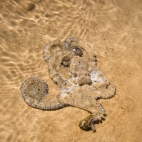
(111, 27)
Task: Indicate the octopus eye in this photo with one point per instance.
(77, 51)
(66, 61)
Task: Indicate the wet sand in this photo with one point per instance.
(113, 28)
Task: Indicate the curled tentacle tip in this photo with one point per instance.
(33, 90)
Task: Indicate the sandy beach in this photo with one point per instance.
(113, 28)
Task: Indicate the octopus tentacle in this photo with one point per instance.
(72, 42)
(105, 92)
(57, 72)
(80, 48)
(80, 97)
(34, 92)
(51, 48)
(88, 123)
(102, 87)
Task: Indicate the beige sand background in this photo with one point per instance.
(114, 30)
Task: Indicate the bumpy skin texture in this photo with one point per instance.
(72, 66)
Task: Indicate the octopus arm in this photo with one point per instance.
(34, 92)
(104, 90)
(78, 98)
(102, 87)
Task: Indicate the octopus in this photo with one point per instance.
(72, 65)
